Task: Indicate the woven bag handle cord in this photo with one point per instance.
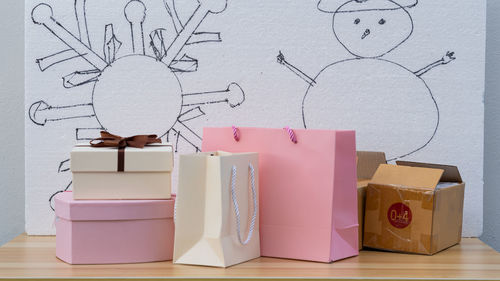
(236, 208)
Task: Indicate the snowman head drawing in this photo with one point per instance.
(370, 28)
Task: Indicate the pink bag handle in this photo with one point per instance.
(236, 133)
(291, 134)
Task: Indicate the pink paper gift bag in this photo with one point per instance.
(308, 198)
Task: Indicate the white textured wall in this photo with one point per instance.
(11, 119)
(12, 129)
(491, 232)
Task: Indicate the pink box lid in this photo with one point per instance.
(85, 210)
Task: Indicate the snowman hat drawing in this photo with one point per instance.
(338, 6)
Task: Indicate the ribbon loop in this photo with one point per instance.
(110, 140)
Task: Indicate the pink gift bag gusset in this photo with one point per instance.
(308, 196)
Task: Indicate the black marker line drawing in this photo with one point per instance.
(79, 78)
(292, 68)
(40, 112)
(135, 13)
(184, 64)
(136, 93)
(51, 198)
(172, 11)
(233, 96)
(111, 44)
(86, 134)
(369, 30)
(64, 166)
(157, 43)
(59, 57)
(196, 37)
(191, 114)
(81, 19)
(69, 54)
(204, 37)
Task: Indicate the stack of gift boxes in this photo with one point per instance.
(253, 192)
(120, 209)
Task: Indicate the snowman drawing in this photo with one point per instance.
(390, 106)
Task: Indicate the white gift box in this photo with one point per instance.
(146, 172)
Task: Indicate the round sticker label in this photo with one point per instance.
(399, 215)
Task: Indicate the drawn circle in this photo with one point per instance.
(135, 11)
(399, 215)
(214, 6)
(42, 13)
(391, 109)
(137, 95)
(356, 25)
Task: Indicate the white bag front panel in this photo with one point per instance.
(206, 227)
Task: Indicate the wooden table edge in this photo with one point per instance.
(25, 239)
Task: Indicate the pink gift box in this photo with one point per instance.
(113, 231)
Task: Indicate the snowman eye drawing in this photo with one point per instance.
(357, 21)
(381, 21)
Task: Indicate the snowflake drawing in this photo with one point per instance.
(144, 90)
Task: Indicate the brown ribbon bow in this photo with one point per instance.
(110, 140)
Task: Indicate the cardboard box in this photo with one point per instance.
(367, 164)
(144, 173)
(113, 231)
(414, 208)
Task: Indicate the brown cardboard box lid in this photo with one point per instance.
(363, 183)
(368, 162)
(451, 173)
(416, 177)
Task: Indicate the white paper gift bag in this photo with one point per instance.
(217, 214)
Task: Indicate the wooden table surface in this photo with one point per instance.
(34, 256)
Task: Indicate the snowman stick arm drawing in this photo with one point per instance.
(446, 59)
(281, 60)
(205, 7)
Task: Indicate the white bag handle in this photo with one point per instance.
(235, 203)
